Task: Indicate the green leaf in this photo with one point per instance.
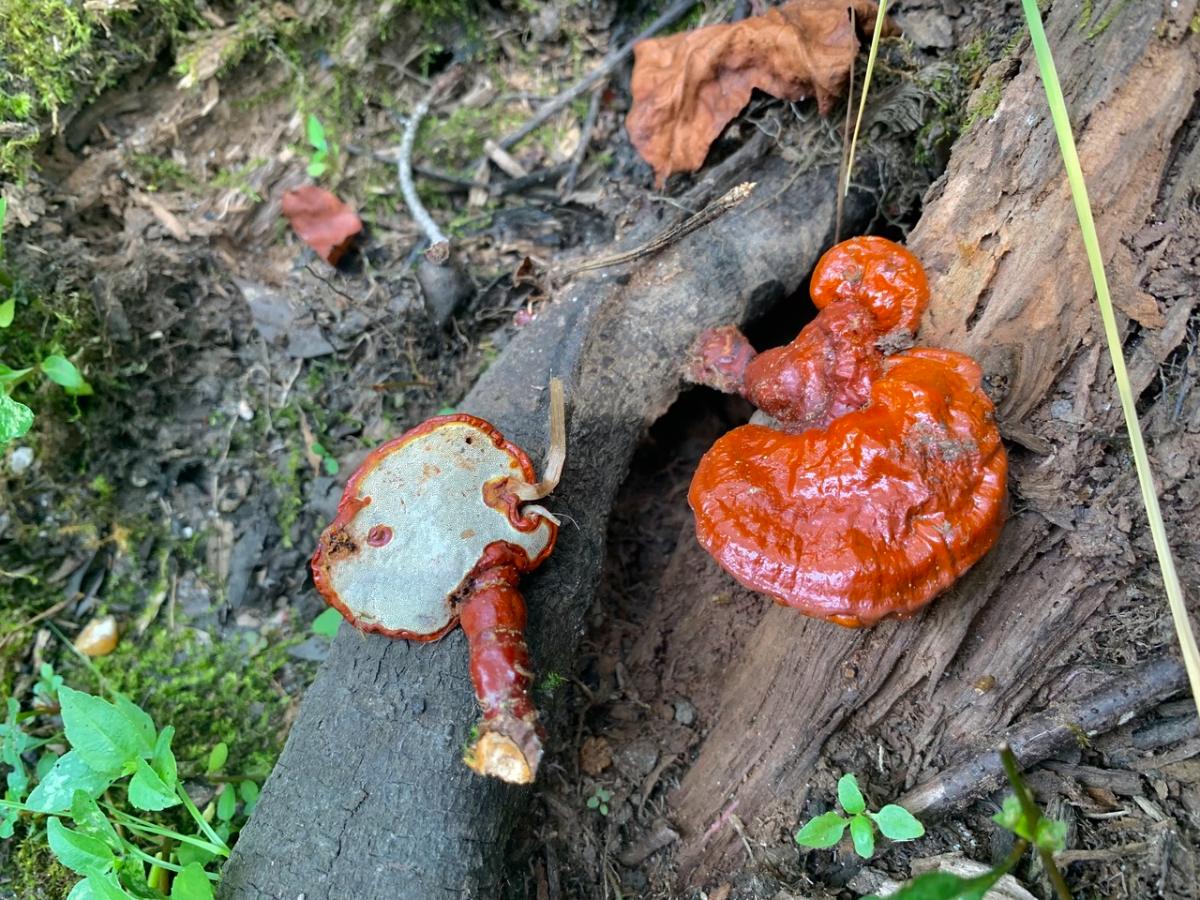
(862, 832)
(91, 821)
(944, 886)
(8, 309)
(99, 887)
(1051, 835)
(103, 735)
(316, 134)
(15, 418)
(190, 853)
(849, 795)
(14, 744)
(823, 831)
(898, 824)
(593, 802)
(64, 373)
(327, 623)
(147, 790)
(191, 884)
(138, 718)
(248, 792)
(216, 758)
(227, 804)
(11, 376)
(316, 167)
(330, 465)
(1012, 818)
(162, 760)
(78, 852)
(70, 774)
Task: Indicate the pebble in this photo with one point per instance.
(21, 460)
(685, 713)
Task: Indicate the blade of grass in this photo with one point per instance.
(866, 89)
(1083, 209)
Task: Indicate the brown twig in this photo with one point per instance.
(670, 16)
(676, 232)
(1037, 737)
(585, 139)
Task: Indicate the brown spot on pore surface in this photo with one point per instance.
(429, 470)
(339, 544)
(468, 534)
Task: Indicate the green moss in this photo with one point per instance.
(210, 691)
(36, 874)
(289, 494)
(983, 103)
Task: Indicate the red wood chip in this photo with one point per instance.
(322, 221)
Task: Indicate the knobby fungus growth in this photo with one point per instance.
(435, 529)
(867, 484)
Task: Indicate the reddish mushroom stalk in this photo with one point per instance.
(434, 529)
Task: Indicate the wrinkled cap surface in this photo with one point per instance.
(880, 274)
(414, 521)
(872, 515)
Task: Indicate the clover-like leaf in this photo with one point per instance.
(66, 375)
(15, 418)
(898, 824)
(216, 758)
(823, 831)
(191, 884)
(849, 795)
(862, 832)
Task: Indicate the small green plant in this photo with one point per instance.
(551, 683)
(328, 461)
(101, 801)
(327, 623)
(1021, 816)
(599, 801)
(895, 822)
(318, 163)
(16, 418)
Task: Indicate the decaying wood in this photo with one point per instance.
(370, 797)
(1010, 286)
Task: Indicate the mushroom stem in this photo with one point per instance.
(508, 743)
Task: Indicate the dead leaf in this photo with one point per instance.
(321, 220)
(595, 755)
(687, 87)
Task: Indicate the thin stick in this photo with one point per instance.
(1091, 243)
(404, 166)
(673, 14)
(1037, 737)
(713, 211)
(844, 166)
(585, 139)
(1033, 815)
(556, 455)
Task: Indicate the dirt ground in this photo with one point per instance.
(185, 496)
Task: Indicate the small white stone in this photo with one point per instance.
(21, 459)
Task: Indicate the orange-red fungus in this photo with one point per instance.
(879, 274)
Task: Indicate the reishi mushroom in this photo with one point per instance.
(877, 480)
(434, 530)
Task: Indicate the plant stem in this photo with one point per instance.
(1033, 816)
(200, 820)
(143, 827)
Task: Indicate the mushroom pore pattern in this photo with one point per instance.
(873, 481)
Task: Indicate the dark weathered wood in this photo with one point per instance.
(370, 798)
(1010, 286)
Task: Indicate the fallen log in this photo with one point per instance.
(1010, 286)
(370, 797)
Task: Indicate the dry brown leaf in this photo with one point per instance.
(321, 220)
(687, 87)
(595, 755)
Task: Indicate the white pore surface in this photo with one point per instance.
(430, 493)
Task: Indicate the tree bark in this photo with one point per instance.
(370, 797)
(1010, 286)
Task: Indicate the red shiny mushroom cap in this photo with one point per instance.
(879, 274)
(416, 519)
(872, 515)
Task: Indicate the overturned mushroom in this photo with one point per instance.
(871, 515)
(433, 529)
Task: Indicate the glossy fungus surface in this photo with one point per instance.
(881, 275)
(874, 513)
